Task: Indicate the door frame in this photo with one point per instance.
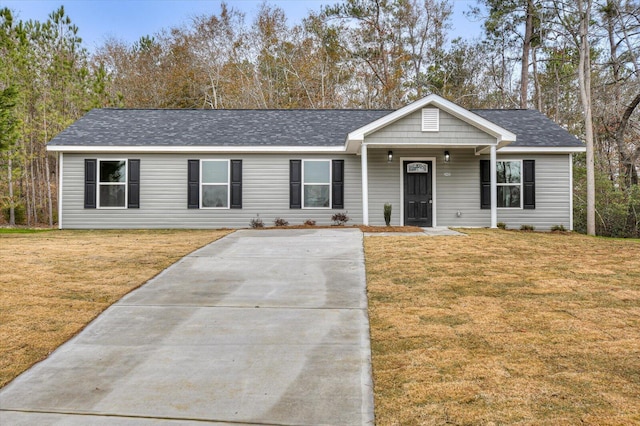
(433, 186)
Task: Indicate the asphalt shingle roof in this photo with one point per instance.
(164, 127)
(157, 127)
(532, 128)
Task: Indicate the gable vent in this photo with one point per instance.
(430, 119)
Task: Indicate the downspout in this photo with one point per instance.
(494, 188)
(570, 192)
(365, 184)
(60, 180)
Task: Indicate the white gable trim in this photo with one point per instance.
(355, 138)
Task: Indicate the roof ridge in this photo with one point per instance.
(243, 109)
(504, 109)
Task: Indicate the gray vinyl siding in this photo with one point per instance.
(553, 191)
(163, 193)
(452, 131)
(460, 191)
(457, 189)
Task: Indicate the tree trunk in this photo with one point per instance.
(536, 80)
(49, 197)
(584, 79)
(12, 204)
(628, 166)
(526, 49)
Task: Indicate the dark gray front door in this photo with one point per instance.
(418, 193)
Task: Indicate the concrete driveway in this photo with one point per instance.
(261, 327)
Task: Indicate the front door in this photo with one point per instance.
(418, 193)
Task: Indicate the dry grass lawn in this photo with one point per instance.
(505, 327)
(53, 283)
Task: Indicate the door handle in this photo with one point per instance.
(430, 201)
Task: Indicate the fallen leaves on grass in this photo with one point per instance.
(504, 327)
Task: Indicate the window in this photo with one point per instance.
(516, 184)
(214, 184)
(316, 183)
(112, 183)
(509, 182)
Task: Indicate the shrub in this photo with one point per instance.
(310, 222)
(387, 213)
(524, 227)
(502, 225)
(617, 205)
(19, 211)
(256, 222)
(280, 222)
(340, 218)
(558, 228)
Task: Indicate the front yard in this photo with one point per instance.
(499, 327)
(505, 327)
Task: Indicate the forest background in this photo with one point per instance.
(575, 61)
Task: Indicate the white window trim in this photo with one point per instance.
(125, 183)
(228, 183)
(329, 184)
(521, 184)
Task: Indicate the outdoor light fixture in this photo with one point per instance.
(389, 156)
(447, 157)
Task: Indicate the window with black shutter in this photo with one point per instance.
(111, 184)
(316, 184)
(515, 184)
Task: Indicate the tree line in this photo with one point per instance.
(575, 61)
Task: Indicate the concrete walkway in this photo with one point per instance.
(260, 327)
(426, 232)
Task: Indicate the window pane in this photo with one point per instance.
(215, 171)
(508, 171)
(112, 196)
(316, 172)
(214, 195)
(316, 195)
(508, 196)
(113, 171)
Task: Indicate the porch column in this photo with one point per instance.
(494, 188)
(365, 184)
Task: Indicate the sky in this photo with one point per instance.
(128, 20)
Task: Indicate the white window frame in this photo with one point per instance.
(228, 183)
(329, 184)
(521, 184)
(125, 183)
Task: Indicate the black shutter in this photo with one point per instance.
(236, 184)
(295, 184)
(90, 175)
(134, 184)
(485, 184)
(337, 184)
(193, 184)
(529, 182)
